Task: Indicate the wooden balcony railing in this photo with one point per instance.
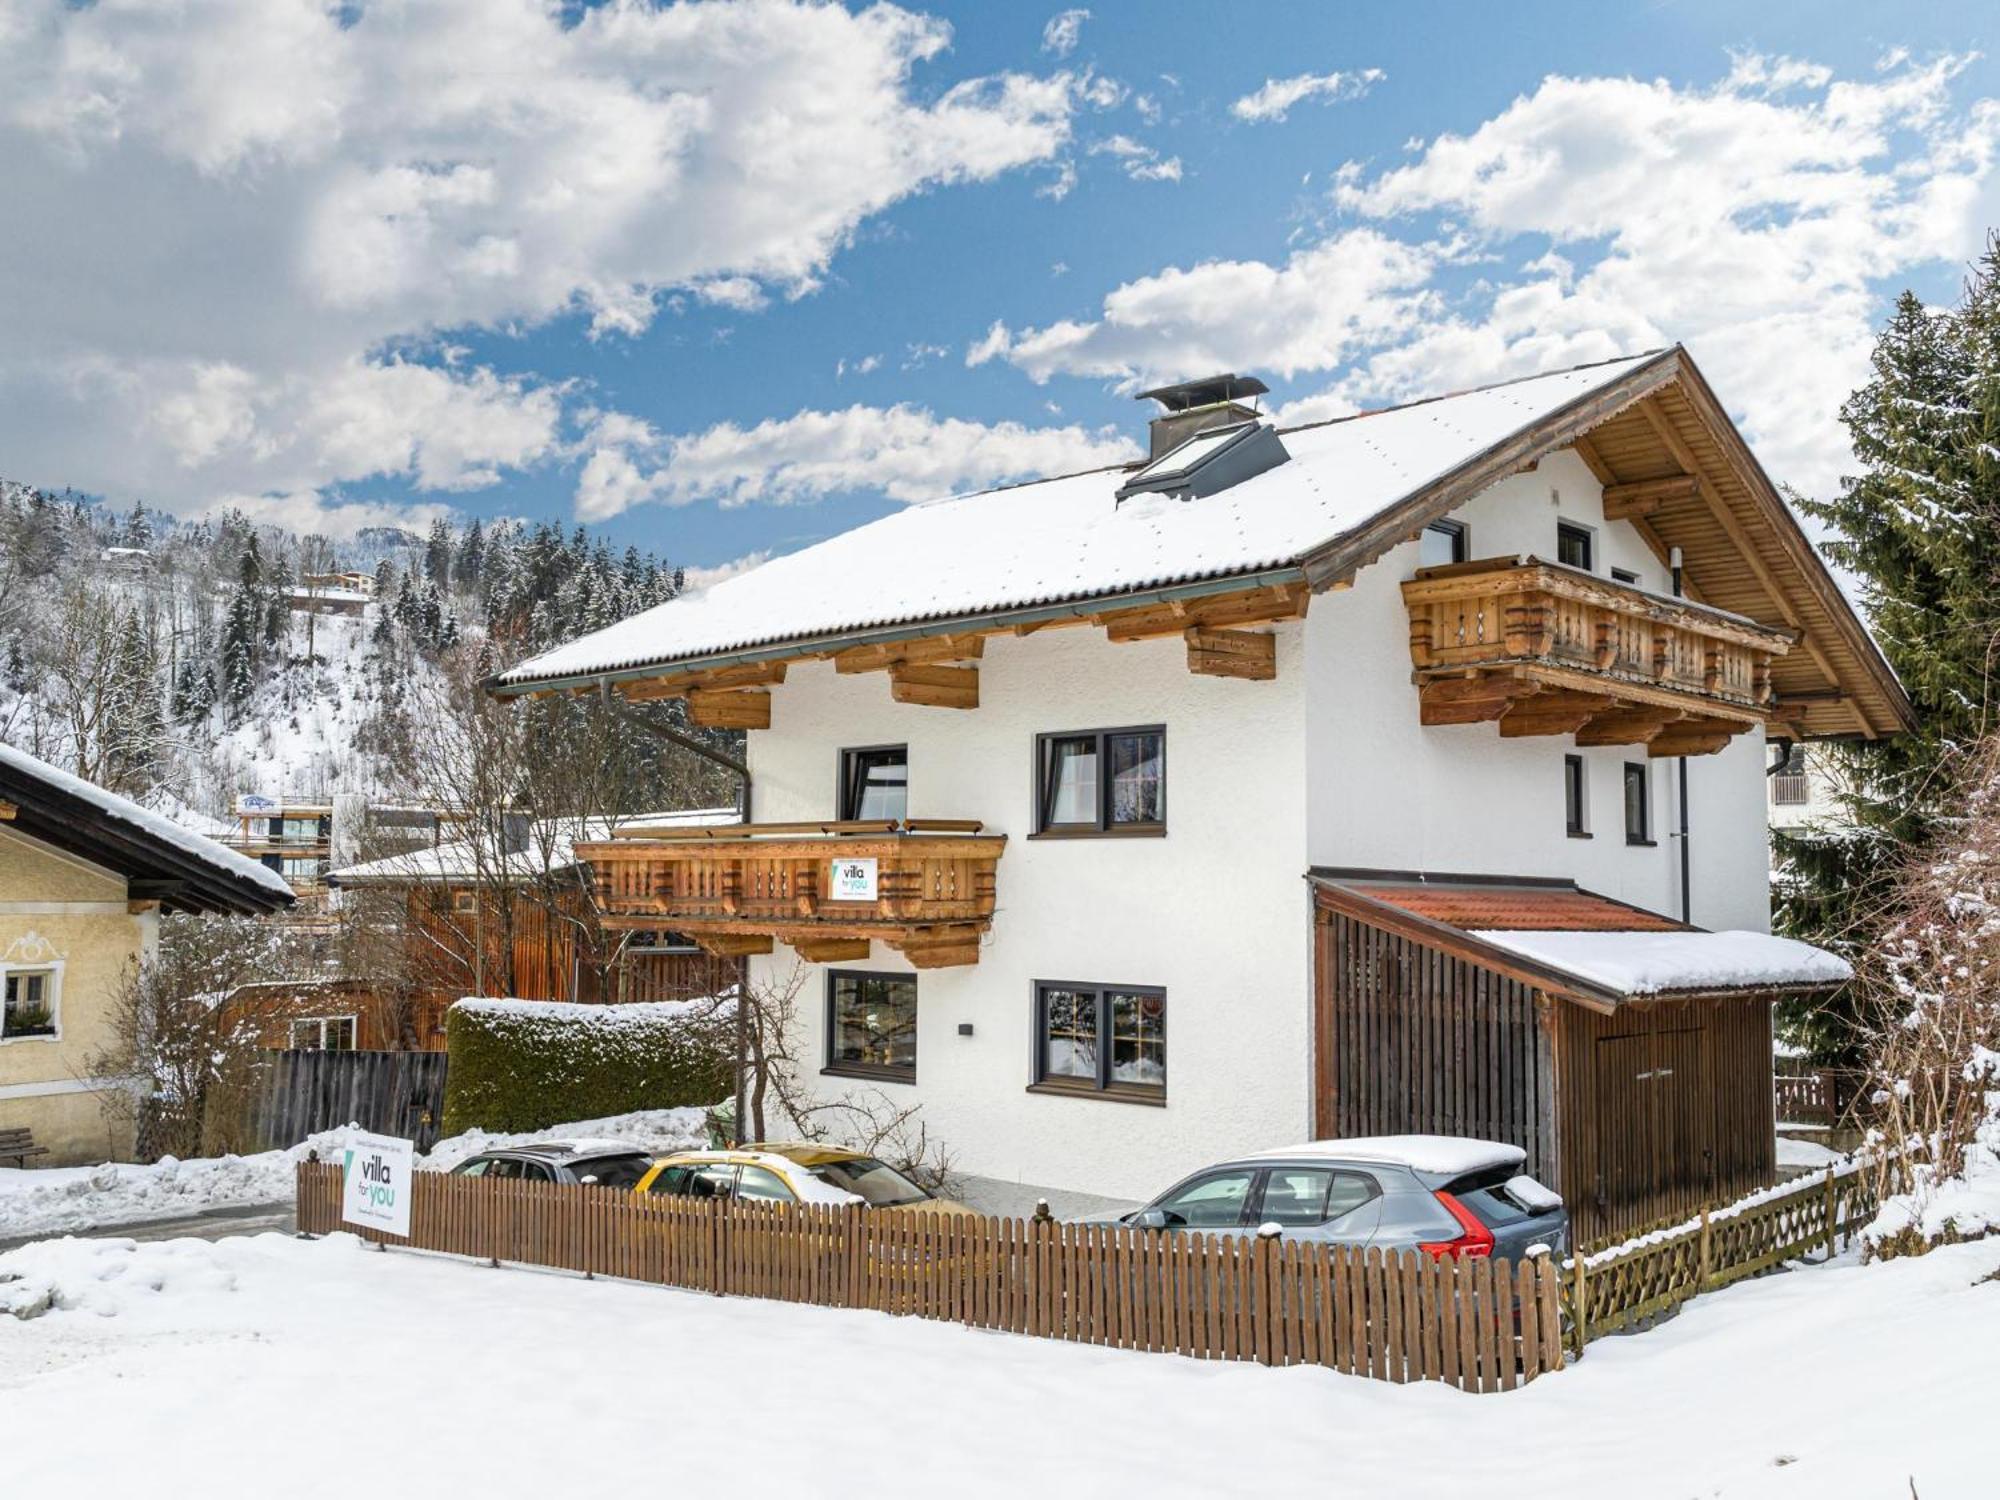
(827, 889)
(1548, 649)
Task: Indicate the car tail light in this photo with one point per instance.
(1475, 1240)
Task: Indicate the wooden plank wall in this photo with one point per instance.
(1669, 1109)
(1413, 1040)
(390, 1093)
(1479, 1325)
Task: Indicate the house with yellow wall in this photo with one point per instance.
(84, 877)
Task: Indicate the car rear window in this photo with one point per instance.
(876, 1183)
(614, 1171)
(1485, 1193)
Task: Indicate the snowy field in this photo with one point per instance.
(57, 1200)
(268, 1365)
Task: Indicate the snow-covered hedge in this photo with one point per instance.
(528, 1064)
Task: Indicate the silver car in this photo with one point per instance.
(1446, 1195)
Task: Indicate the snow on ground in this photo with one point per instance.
(432, 1375)
(55, 1200)
(1793, 1153)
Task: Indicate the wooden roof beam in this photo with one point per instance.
(1558, 712)
(1624, 502)
(1249, 654)
(1623, 724)
(7, 811)
(924, 650)
(729, 708)
(934, 686)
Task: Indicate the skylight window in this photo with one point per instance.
(1179, 462)
(1209, 462)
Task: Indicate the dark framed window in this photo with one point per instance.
(1576, 806)
(1573, 546)
(871, 1025)
(1638, 805)
(1442, 543)
(1108, 1039)
(875, 782)
(1626, 576)
(1102, 781)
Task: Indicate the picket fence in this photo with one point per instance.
(1475, 1324)
(1647, 1277)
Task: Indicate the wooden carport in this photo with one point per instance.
(1637, 1109)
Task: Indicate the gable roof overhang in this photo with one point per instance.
(1650, 418)
(1438, 910)
(153, 868)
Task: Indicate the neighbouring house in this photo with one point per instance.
(1100, 817)
(350, 582)
(318, 1015)
(84, 875)
(301, 838)
(330, 601)
(463, 919)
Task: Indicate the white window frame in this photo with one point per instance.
(53, 967)
(353, 1020)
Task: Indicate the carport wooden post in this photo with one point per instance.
(1579, 1320)
(1832, 1214)
(1702, 1257)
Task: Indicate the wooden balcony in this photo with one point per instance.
(1548, 649)
(924, 887)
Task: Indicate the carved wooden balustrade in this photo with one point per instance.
(924, 887)
(1548, 649)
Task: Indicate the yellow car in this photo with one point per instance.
(790, 1172)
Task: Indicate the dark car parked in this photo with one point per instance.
(612, 1164)
(1445, 1195)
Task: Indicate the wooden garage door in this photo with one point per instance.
(1655, 1126)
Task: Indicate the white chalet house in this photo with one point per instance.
(1291, 783)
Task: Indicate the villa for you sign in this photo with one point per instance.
(375, 1190)
(854, 880)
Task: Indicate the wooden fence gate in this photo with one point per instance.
(1480, 1325)
(389, 1093)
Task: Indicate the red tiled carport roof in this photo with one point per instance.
(1498, 907)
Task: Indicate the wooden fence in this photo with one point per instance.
(1820, 1097)
(390, 1093)
(1475, 1324)
(1644, 1279)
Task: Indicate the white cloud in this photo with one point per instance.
(1142, 163)
(1061, 34)
(1323, 305)
(1275, 99)
(708, 578)
(903, 452)
(239, 230)
(868, 364)
(1757, 220)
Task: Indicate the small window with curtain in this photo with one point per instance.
(30, 1004)
(1638, 805)
(875, 783)
(1441, 544)
(1576, 806)
(1102, 1039)
(1101, 781)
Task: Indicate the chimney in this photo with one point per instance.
(1197, 405)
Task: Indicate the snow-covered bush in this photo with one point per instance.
(527, 1064)
(1934, 983)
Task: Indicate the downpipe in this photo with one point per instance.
(1681, 800)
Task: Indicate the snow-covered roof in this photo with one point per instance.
(1653, 963)
(1449, 1154)
(1068, 539)
(550, 843)
(22, 774)
(333, 596)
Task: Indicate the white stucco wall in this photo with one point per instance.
(1215, 912)
(1387, 793)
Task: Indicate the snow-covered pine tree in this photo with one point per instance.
(1919, 528)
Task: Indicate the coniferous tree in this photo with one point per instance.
(1919, 528)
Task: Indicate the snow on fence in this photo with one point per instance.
(1475, 1324)
(1650, 1275)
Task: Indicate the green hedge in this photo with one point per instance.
(519, 1065)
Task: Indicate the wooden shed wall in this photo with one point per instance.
(1665, 1108)
(1410, 1039)
(1635, 1118)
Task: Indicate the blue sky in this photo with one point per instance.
(320, 266)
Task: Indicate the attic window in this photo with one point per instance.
(1209, 461)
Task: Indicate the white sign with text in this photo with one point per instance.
(375, 1190)
(853, 880)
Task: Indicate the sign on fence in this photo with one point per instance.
(376, 1185)
(853, 880)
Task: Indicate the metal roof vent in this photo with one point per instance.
(1198, 405)
(1209, 462)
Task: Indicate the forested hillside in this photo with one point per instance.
(166, 660)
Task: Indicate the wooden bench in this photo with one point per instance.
(18, 1144)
